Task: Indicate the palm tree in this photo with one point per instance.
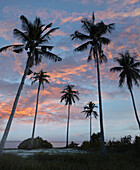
(89, 111)
(34, 38)
(129, 73)
(95, 40)
(41, 77)
(69, 98)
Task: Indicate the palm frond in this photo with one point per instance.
(26, 25)
(20, 35)
(44, 47)
(80, 36)
(51, 56)
(12, 47)
(104, 40)
(48, 34)
(90, 54)
(46, 27)
(83, 46)
(118, 69)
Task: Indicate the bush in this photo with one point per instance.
(86, 145)
(38, 143)
(96, 140)
(122, 145)
(73, 145)
(137, 145)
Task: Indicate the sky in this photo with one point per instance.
(118, 113)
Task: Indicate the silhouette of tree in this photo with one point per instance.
(129, 73)
(34, 37)
(89, 111)
(41, 77)
(69, 97)
(95, 40)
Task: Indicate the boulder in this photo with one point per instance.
(38, 143)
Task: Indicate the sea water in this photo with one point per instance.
(14, 144)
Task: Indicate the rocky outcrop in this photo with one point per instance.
(38, 143)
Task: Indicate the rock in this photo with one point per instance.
(38, 143)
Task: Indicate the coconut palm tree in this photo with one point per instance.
(69, 98)
(95, 39)
(34, 38)
(41, 77)
(89, 111)
(129, 73)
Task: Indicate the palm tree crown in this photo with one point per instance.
(89, 109)
(94, 38)
(41, 77)
(33, 38)
(69, 95)
(128, 68)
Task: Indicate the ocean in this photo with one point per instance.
(14, 144)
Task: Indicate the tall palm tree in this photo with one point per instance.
(69, 98)
(129, 73)
(34, 37)
(41, 77)
(95, 39)
(89, 111)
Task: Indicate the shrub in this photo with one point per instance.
(73, 145)
(86, 145)
(137, 145)
(122, 145)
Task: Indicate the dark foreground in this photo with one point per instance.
(90, 161)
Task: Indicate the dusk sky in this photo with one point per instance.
(119, 118)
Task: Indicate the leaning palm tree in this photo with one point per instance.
(89, 111)
(95, 39)
(129, 73)
(41, 77)
(69, 98)
(34, 38)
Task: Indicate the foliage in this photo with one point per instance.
(86, 145)
(137, 145)
(90, 161)
(73, 145)
(128, 68)
(122, 145)
(38, 143)
(89, 109)
(96, 140)
(41, 77)
(69, 95)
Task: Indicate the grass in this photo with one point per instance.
(90, 161)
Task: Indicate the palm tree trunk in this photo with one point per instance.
(6, 132)
(100, 107)
(32, 139)
(68, 126)
(90, 128)
(135, 110)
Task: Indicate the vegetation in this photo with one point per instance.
(73, 145)
(89, 110)
(122, 153)
(34, 38)
(41, 77)
(69, 98)
(95, 40)
(130, 73)
(112, 161)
